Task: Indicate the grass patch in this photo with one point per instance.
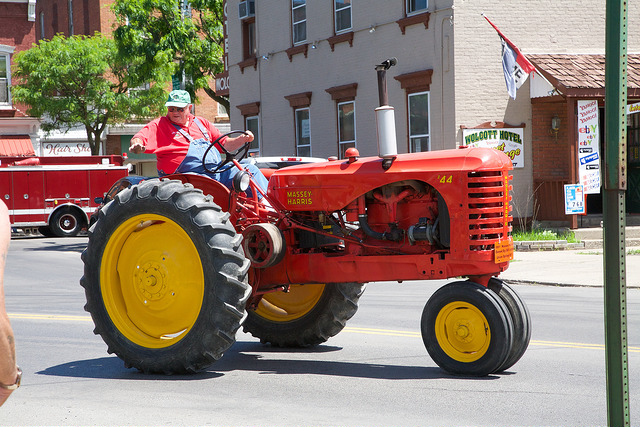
(599, 252)
(534, 235)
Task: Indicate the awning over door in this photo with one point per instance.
(16, 146)
(582, 75)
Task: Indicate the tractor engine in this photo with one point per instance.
(408, 216)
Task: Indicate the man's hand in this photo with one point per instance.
(137, 146)
(248, 137)
(232, 144)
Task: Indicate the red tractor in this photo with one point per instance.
(175, 266)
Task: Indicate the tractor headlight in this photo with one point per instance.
(241, 181)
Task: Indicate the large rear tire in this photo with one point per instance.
(467, 329)
(165, 278)
(306, 315)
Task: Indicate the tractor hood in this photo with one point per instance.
(330, 186)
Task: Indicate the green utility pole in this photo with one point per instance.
(615, 184)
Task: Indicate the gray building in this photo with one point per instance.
(301, 75)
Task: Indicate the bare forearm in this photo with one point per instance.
(7, 351)
(8, 368)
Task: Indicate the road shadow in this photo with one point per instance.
(58, 246)
(249, 356)
(113, 368)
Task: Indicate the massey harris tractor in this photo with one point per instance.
(175, 266)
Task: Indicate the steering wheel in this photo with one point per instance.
(240, 153)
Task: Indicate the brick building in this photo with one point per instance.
(74, 17)
(18, 132)
(302, 77)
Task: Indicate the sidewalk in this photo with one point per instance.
(577, 267)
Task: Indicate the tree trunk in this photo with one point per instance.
(93, 136)
(219, 99)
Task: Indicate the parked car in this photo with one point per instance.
(270, 163)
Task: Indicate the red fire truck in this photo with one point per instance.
(55, 195)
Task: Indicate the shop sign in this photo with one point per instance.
(66, 149)
(507, 140)
(589, 146)
(574, 199)
(633, 108)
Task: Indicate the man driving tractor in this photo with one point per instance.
(180, 140)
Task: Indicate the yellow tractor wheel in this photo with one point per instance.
(165, 278)
(305, 315)
(467, 329)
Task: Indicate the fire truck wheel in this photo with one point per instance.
(66, 222)
(306, 315)
(521, 321)
(165, 278)
(467, 329)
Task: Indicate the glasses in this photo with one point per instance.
(172, 109)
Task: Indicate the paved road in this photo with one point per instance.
(376, 372)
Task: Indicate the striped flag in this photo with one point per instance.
(515, 65)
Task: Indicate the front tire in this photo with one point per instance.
(467, 329)
(165, 278)
(304, 316)
(521, 321)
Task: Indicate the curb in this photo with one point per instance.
(546, 245)
(559, 285)
(559, 245)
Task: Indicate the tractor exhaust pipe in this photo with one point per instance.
(385, 117)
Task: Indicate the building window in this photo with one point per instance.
(252, 123)
(299, 20)
(5, 79)
(419, 122)
(303, 132)
(31, 11)
(342, 9)
(222, 110)
(346, 126)
(416, 6)
(249, 38)
(633, 139)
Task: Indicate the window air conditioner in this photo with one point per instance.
(246, 9)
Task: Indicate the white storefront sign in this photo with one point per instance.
(507, 140)
(589, 146)
(66, 149)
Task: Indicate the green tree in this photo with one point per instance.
(189, 32)
(82, 80)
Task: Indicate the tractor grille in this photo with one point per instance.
(488, 209)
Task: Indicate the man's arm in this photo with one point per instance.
(145, 139)
(232, 144)
(8, 367)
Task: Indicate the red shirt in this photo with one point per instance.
(161, 137)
